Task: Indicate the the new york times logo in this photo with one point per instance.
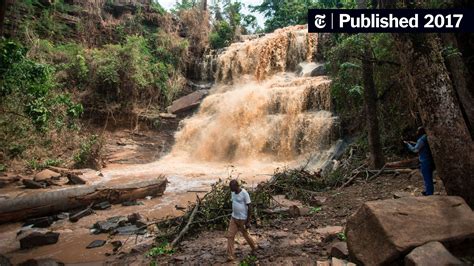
(391, 20)
(320, 21)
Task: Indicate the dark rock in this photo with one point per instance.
(110, 224)
(33, 184)
(134, 218)
(116, 244)
(394, 227)
(132, 203)
(319, 71)
(102, 206)
(339, 250)
(140, 248)
(432, 253)
(96, 243)
(4, 261)
(187, 102)
(80, 214)
(41, 222)
(130, 230)
(41, 262)
(36, 239)
(75, 179)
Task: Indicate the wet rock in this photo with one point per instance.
(432, 253)
(75, 179)
(102, 206)
(41, 222)
(36, 239)
(329, 230)
(130, 230)
(132, 203)
(33, 184)
(187, 102)
(110, 224)
(339, 250)
(41, 262)
(393, 227)
(4, 261)
(319, 71)
(80, 214)
(96, 244)
(134, 218)
(46, 174)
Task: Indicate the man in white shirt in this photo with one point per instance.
(241, 215)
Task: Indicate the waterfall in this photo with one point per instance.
(259, 109)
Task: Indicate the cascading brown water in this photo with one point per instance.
(258, 110)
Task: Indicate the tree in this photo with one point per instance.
(428, 80)
(370, 101)
(3, 10)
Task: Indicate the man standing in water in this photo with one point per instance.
(241, 215)
(426, 160)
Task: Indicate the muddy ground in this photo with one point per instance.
(302, 240)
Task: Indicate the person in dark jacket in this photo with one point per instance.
(427, 165)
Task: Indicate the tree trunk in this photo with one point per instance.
(3, 10)
(370, 101)
(51, 202)
(461, 79)
(428, 80)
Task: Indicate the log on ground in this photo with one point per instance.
(50, 202)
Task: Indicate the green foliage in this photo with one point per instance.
(314, 210)
(89, 153)
(162, 249)
(341, 236)
(221, 36)
(133, 71)
(37, 165)
(249, 260)
(3, 167)
(156, 7)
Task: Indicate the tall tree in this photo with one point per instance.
(427, 79)
(460, 77)
(370, 101)
(3, 10)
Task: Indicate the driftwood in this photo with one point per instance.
(408, 163)
(54, 201)
(186, 228)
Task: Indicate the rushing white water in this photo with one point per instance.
(258, 110)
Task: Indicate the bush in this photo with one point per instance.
(90, 153)
(221, 36)
(33, 112)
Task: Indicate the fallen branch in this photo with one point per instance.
(186, 228)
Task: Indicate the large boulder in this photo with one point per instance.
(381, 232)
(187, 102)
(432, 253)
